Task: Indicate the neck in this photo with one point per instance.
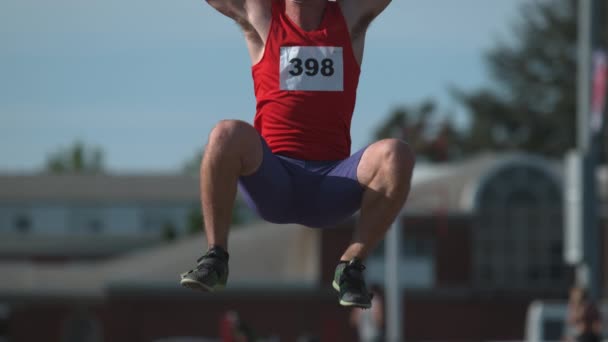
(307, 14)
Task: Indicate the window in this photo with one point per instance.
(95, 226)
(87, 220)
(518, 235)
(418, 246)
(416, 264)
(155, 219)
(22, 224)
(411, 246)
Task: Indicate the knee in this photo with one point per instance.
(387, 161)
(396, 159)
(234, 140)
(228, 133)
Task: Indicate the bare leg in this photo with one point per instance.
(234, 149)
(385, 170)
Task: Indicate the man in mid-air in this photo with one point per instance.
(294, 164)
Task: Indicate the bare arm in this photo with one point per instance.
(233, 9)
(253, 16)
(359, 14)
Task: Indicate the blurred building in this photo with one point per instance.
(46, 217)
(483, 238)
(137, 297)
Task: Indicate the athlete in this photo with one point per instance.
(294, 164)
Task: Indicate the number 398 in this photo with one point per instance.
(312, 67)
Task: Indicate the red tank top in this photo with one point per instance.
(305, 87)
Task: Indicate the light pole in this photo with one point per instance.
(591, 108)
(394, 300)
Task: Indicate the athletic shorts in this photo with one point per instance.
(312, 193)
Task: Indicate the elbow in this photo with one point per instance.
(213, 3)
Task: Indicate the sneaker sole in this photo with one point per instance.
(357, 305)
(195, 285)
(349, 304)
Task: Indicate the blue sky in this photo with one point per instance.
(147, 80)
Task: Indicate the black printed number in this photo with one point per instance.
(327, 67)
(297, 67)
(312, 67)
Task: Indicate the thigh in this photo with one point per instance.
(268, 191)
(338, 195)
(285, 191)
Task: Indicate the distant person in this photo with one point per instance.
(584, 319)
(370, 323)
(294, 164)
(233, 329)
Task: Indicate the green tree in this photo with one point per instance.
(429, 133)
(168, 232)
(77, 158)
(240, 213)
(192, 166)
(195, 221)
(531, 104)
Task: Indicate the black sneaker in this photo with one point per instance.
(211, 272)
(349, 282)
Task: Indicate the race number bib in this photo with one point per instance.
(312, 68)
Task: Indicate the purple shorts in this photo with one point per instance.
(312, 193)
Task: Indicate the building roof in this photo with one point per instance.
(440, 187)
(263, 254)
(452, 188)
(448, 187)
(98, 187)
(49, 246)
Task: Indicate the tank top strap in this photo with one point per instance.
(278, 7)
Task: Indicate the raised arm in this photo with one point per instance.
(234, 9)
(253, 16)
(359, 14)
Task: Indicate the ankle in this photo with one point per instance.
(219, 250)
(344, 260)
